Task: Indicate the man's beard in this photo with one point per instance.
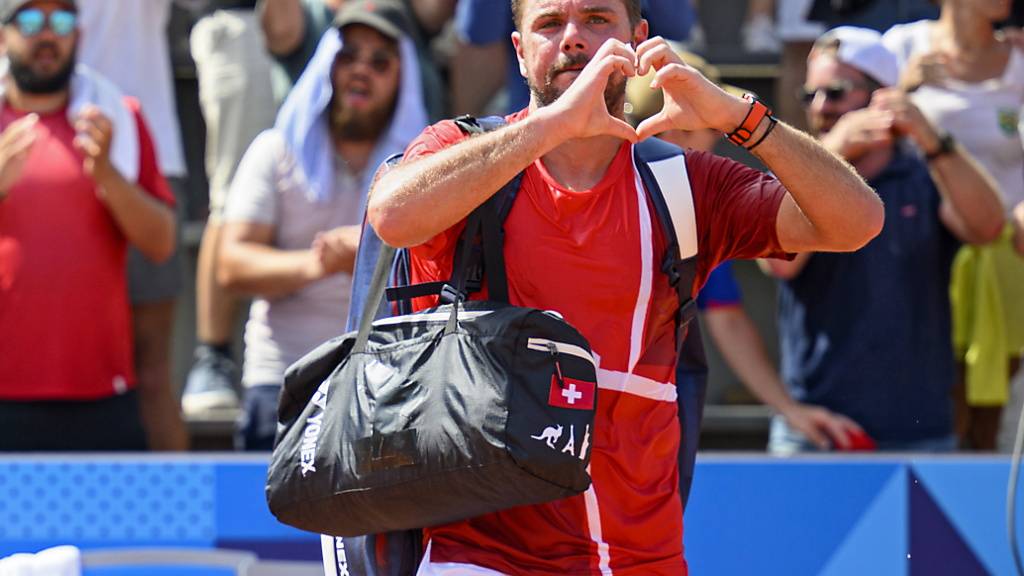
(547, 93)
(360, 126)
(29, 81)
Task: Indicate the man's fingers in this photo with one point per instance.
(653, 126)
(92, 130)
(22, 143)
(817, 437)
(671, 73)
(87, 145)
(613, 47)
(655, 53)
(838, 432)
(622, 129)
(615, 63)
(19, 128)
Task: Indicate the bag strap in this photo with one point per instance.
(485, 245)
(662, 168)
(663, 171)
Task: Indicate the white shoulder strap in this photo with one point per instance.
(675, 187)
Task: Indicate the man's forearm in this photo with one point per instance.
(743, 349)
(283, 23)
(257, 269)
(147, 223)
(830, 207)
(416, 201)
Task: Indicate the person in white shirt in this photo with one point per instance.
(969, 81)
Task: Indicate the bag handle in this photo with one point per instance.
(382, 271)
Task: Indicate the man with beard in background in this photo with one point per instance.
(293, 214)
(78, 183)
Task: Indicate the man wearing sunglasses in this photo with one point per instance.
(78, 184)
(867, 334)
(292, 217)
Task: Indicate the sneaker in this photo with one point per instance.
(210, 384)
(759, 36)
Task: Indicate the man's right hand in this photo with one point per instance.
(334, 251)
(826, 429)
(858, 132)
(15, 143)
(581, 111)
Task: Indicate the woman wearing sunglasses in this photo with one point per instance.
(969, 80)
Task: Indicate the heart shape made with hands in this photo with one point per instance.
(690, 101)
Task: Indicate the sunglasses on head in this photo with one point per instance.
(380, 61)
(834, 92)
(31, 21)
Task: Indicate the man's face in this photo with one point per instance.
(559, 37)
(365, 77)
(41, 62)
(833, 89)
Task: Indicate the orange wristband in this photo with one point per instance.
(753, 119)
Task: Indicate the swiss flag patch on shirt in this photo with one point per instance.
(575, 394)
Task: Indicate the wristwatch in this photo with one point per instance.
(947, 144)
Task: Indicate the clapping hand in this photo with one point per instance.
(15, 144)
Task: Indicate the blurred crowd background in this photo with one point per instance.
(211, 75)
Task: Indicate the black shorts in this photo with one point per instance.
(105, 425)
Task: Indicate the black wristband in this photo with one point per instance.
(947, 144)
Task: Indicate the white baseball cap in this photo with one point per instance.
(861, 48)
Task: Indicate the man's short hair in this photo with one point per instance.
(632, 9)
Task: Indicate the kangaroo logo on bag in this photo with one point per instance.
(552, 434)
(307, 451)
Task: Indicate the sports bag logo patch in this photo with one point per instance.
(552, 434)
(307, 450)
(571, 393)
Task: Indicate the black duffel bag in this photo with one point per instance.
(434, 417)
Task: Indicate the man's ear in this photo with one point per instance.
(641, 32)
(517, 43)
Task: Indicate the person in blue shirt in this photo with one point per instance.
(867, 334)
(721, 306)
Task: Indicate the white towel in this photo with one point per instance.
(304, 123)
(59, 561)
(89, 87)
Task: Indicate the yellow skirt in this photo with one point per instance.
(987, 294)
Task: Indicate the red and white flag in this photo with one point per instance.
(570, 393)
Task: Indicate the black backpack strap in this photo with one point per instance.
(486, 246)
(656, 160)
(681, 269)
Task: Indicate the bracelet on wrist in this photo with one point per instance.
(745, 131)
(947, 145)
(771, 126)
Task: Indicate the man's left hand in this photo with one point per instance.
(94, 134)
(692, 102)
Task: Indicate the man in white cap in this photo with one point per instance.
(867, 334)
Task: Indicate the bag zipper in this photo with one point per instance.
(550, 346)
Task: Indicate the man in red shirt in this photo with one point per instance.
(582, 239)
(78, 183)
